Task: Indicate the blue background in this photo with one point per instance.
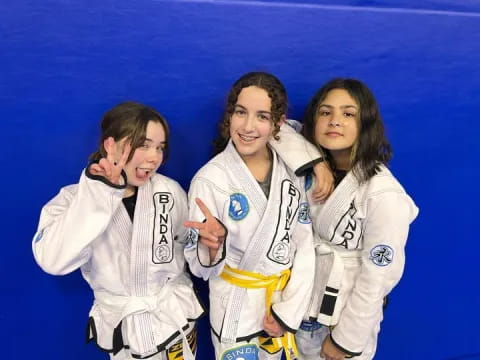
(64, 63)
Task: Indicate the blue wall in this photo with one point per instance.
(63, 63)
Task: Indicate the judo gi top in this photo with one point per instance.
(143, 297)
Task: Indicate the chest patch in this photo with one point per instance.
(238, 208)
(280, 248)
(348, 231)
(381, 255)
(162, 245)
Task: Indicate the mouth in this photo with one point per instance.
(333, 134)
(247, 138)
(143, 173)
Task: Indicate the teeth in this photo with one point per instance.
(247, 138)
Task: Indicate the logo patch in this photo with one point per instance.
(308, 181)
(239, 208)
(244, 352)
(162, 245)
(279, 251)
(348, 231)
(304, 214)
(192, 238)
(381, 255)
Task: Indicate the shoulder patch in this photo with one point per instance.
(238, 208)
(304, 213)
(244, 352)
(381, 255)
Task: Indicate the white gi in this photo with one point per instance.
(265, 236)
(144, 300)
(360, 236)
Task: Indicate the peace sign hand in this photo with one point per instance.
(111, 166)
(212, 233)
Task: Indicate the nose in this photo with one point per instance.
(334, 120)
(154, 155)
(249, 124)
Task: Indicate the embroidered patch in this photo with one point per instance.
(381, 255)
(308, 181)
(304, 213)
(279, 251)
(192, 238)
(239, 208)
(348, 231)
(39, 236)
(244, 352)
(162, 244)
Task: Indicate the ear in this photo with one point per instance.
(283, 118)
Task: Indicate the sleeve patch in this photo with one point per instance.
(381, 255)
(304, 213)
(192, 238)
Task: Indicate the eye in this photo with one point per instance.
(160, 149)
(264, 117)
(349, 114)
(324, 113)
(240, 112)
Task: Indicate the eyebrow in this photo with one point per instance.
(341, 107)
(150, 140)
(260, 111)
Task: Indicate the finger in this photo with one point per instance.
(126, 148)
(194, 224)
(203, 208)
(210, 244)
(110, 148)
(95, 169)
(208, 235)
(106, 166)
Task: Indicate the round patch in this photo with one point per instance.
(381, 255)
(162, 253)
(243, 352)
(308, 181)
(239, 208)
(281, 251)
(192, 238)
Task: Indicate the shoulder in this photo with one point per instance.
(214, 169)
(383, 182)
(159, 180)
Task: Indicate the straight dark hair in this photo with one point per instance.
(129, 120)
(263, 80)
(372, 147)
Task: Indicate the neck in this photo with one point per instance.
(341, 159)
(259, 163)
(129, 191)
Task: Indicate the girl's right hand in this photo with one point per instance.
(111, 167)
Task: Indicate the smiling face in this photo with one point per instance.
(251, 124)
(337, 125)
(147, 157)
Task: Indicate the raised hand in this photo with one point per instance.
(111, 166)
(211, 231)
(325, 183)
(272, 327)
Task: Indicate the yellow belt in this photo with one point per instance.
(270, 283)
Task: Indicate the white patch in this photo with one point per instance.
(304, 214)
(162, 245)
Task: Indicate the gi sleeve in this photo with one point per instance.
(299, 154)
(294, 299)
(196, 253)
(72, 221)
(383, 258)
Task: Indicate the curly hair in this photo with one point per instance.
(371, 147)
(263, 80)
(129, 120)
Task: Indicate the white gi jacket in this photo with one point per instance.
(143, 297)
(360, 236)
(264, 236)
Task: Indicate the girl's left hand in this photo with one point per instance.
(330, 351)
(111, 166)
(325, 182)
(272, 327)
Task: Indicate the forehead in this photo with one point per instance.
(155, 131)
(254, 98)
(339, 97)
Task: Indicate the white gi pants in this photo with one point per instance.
(309, 344)
(242, 351)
